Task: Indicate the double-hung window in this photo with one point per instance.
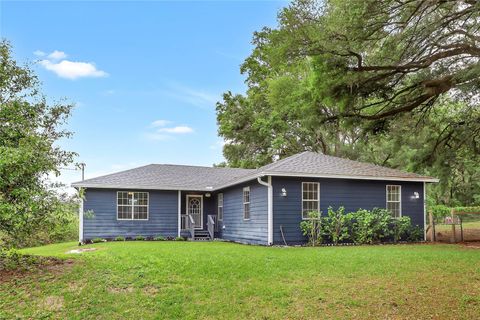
(220, 207)
(394, 200)
(132, 205)
(246, 203)
(310, 198)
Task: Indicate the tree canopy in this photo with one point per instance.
(29, 131)
(394, 82)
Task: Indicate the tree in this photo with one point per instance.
(394, 82)
(29, 131)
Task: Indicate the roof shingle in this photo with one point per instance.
(195, 178)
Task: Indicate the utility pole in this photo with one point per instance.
(82, 167)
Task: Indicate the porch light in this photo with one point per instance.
(207, 195)
(416, 195)
(284, 192)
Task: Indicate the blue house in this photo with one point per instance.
(243, 205)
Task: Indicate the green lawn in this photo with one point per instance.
(191, 280)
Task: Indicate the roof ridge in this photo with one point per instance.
(194, 166)
(282, 161)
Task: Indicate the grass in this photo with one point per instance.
(191, 280)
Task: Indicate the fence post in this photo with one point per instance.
(432, 226)
(461, 227)
(453, 239)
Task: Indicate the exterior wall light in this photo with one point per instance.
(416, 195)
(207, 195)
(284, 192)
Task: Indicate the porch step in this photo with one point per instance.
(201, 235)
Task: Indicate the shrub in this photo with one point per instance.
(119, 238)
(312, 228)
(370, 226)
(400, 228)
(159, 238)
(97, 240)
(336, 225)
(179, 239)
(139, 238)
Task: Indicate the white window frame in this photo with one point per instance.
(133, 205)
(303, 200)
(219, 205)
(246, 189)
(399, 198)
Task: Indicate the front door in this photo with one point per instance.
(195, 208)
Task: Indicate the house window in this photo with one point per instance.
(132, 205)
(394, 204)
(220, 207)
(246, 203)
(310, 198)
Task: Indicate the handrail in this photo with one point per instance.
(211, 226)
(191, 226)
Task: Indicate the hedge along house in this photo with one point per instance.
(243, 205)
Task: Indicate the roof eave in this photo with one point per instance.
(138, 187)
(354, 177)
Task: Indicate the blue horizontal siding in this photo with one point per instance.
(234, 227)
(163, 215)
(352, 194)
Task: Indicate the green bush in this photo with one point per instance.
(159, 238)
(140, 238)
(311, 228)
(97, 240)
(370, 226)
(179, 239)
(336, 225)
(119, 238)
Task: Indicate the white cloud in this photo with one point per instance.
(73, 70)
(176, 130)
(160, 123)
(57, 55)
(39, 53)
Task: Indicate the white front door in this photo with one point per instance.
(195, 208)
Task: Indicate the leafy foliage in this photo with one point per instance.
(336, 224)
(311, 228)
(360, 227)
(394, 83)
(29, 130)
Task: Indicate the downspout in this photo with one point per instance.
(425, 211)
(179, 212)
(80, 220)
(269, 208)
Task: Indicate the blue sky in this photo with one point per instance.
(144, 76)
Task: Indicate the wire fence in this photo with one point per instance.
(457, 227)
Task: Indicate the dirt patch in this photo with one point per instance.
(150, 290)
(473, 245)
(43, 265)
(116, 290)
(82, 250)
(52, 303)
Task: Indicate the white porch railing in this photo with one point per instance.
(211, 225)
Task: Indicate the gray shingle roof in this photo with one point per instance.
(180, 177)
(320, 164)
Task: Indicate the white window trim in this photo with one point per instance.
(244, 203)
(148, 206)
(318, 195)
(220, 206)
(399, 194)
